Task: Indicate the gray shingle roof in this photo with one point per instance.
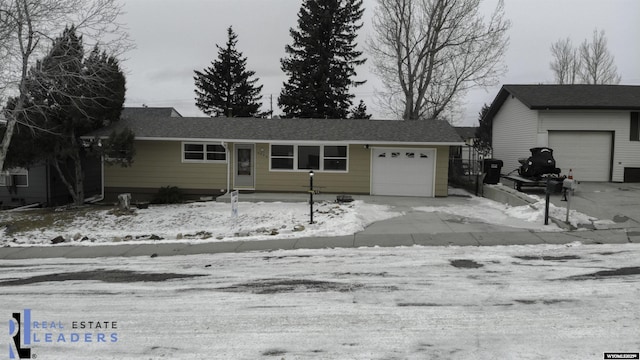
(137, 112)
(609, 97)
(569, 97)
(252, 129)
(466, 132)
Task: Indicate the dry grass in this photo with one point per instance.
(38, 219)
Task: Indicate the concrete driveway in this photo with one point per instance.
(619, 202)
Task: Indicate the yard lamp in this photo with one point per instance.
(311, 197)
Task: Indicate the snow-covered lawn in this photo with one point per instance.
(212, 221)
(518, 302)
(201, 221)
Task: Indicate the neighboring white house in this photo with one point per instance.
(593, 129)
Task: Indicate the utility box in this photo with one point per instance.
(492, 167)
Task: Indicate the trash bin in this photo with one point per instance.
(492, 168)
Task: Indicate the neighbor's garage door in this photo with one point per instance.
(587, 153)
(403, 172)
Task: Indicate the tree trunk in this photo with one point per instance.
(6, 140)
(76, 190)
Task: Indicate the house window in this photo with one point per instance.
(202, 152)
(335, 158)
(309, 157)
(635, 129)
(282, 157)
(17, 177)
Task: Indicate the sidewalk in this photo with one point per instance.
(621, 236)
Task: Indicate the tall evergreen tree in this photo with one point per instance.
(322, 59)
(70, 95)
(226, 88)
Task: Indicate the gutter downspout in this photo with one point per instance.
(228, 154)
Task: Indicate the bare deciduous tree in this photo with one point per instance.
(566, 62)
(27, 29)
(591, 63)
(597, 62)
(428, 53)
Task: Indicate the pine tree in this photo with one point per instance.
(322, 59)
(69, 96)
(360, 112)
(484, 132)
(226, 88)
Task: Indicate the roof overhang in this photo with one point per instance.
(294, 141)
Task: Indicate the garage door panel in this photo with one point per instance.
(404, 172)
(587, 153)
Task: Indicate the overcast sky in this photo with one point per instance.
(175, 37)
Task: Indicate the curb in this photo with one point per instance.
(614, 236)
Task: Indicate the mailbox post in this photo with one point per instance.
(569, 186)
(311, 197)
(553, 187)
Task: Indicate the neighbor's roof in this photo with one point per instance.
(570, 97)
(144, 111)
(292, 130)
(467, 132)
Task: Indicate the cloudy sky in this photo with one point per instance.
(175, 37)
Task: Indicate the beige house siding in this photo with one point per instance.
(355, 180)
(442, 171)
(159, 163)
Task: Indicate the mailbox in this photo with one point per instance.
(570, 184)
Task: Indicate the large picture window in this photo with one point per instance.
(202, 152)
(309, 157)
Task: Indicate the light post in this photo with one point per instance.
(311, 197)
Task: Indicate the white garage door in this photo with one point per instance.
(587, 153)
(403, 172)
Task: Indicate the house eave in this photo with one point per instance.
(616, 108)
(295, 141)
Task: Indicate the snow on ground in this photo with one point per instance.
(212, 221)
(523, 217)
(506, 302)
(204, 221)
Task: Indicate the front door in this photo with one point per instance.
(244, 166)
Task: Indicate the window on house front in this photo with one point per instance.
(282, 157)
(309, 157)
(202, 152)
(335, 158)
(17, 177)
(635, 128)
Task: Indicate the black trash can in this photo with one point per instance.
(492, 168)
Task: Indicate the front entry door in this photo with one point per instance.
(244, 166)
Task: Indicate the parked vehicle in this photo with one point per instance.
(539, 164)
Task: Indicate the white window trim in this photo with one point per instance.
(6, 180)
(322, 158)
(204, 147)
